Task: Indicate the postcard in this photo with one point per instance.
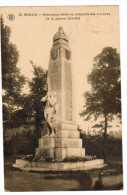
(61, 98)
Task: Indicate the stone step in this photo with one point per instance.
(69, 165)
(64, 134)
(61, 153)
(68, 126)
(87, 165)
(46, 153)
(61, 165)
(47, 142)
(68, 142)
(22, 162)
(67, 134)
(60, 143)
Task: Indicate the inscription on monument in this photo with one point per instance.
(68, 92)
(55, 80)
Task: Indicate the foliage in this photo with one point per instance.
(12, 80)
(33, 106)
(18, 107)
(79, 158)
(94, 145)
(67, 159)
(104, 99)
(20, 143)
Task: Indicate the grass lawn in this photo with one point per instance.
(107, 178)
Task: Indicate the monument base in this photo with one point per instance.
(65, 143)
(60, 153)
(62, 166)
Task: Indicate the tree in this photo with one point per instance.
(33, 106)
(104, 99)
(12, 80)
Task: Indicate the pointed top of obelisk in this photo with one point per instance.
(60, 34)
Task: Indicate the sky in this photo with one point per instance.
(98, 27)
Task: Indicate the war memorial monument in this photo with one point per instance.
(63, 138)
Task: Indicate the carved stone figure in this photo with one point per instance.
(50, 113)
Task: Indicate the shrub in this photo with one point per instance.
(94, 145)
(21, 143)
(79, 158)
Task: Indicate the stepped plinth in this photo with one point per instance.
(65, 143)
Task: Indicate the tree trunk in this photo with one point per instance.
(37, 132)
(105, 138)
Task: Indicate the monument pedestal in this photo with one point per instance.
(62, 166)
(65, 143)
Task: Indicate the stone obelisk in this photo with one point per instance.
(66, 141)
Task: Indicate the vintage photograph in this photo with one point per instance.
(61, 98)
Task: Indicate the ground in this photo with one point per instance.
(107, 178)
